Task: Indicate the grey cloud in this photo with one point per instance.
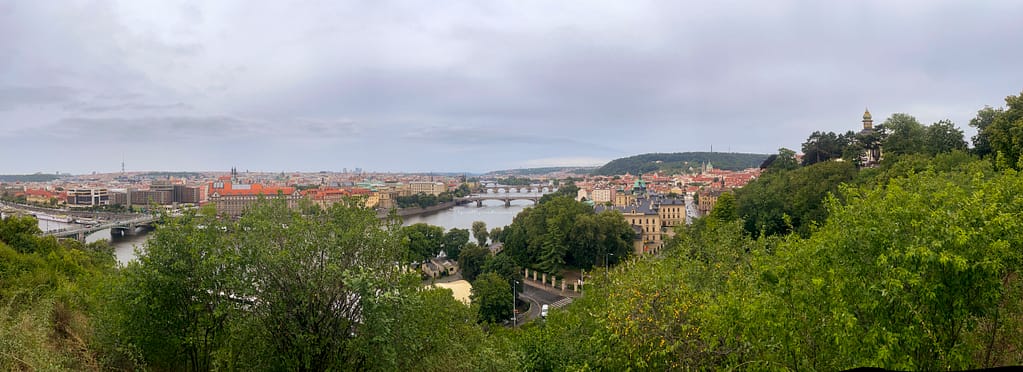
(127, 106)
(19, 96)
(565, 80)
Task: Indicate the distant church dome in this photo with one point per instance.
(866, 115)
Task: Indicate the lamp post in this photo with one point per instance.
(514, 318)
(607, 266)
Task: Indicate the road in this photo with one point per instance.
(537, 297)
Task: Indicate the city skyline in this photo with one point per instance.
(475, 87)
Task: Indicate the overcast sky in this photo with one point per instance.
(476, 85)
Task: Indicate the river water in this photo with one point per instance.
(493, 212)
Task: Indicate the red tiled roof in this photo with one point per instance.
(254, 189)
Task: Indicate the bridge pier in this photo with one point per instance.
(507, 202)
(479, 203)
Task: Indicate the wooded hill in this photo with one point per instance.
(680, 162)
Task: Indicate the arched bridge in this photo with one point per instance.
(506, 198)
(121, 226)
(506, 189)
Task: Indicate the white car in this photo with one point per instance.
(543, 310)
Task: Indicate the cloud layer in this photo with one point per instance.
(475, 86)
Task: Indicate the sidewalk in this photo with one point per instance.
(555, 291)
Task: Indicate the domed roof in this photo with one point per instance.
(639, 183)
(866, 114)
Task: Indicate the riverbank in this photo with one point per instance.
(407, 212)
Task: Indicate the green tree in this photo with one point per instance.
(504, 266)
(725, 209)
(821, 146)
(982, 141)
(471, 260)
(479, 230)
(172, 305)
(424, 241)
(1005, 133)
(19, 232)
(785, 160)
(492, 297)
(904, 135)
(454, 240)
(320, 281)
(943, 137)
(495, 234)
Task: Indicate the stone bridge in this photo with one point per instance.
(531, 189)
(506, 198)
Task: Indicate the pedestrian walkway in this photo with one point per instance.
(551, 290)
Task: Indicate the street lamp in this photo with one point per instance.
(514, 320)
(607, 266)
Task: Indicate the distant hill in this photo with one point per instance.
(540, 171)
(38, 177)
(680, 162)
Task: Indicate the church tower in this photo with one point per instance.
(868, 121)
(871, 142)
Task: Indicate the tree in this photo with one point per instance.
(424, 241)
(983, 120)
(173, 304)
(724, 209)
(552, 258)
(785, 160)
(495, 234)
(942, 137)
(492, 297)
(1005, 133)
(504, 266)
(905, 135)
(454, 240)
(320, 281)
(471, 260)
(19, 232)
(821, 146)
(479, 230)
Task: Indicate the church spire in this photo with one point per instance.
(868, 121)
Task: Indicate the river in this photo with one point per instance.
(124, 246)
(493, 212)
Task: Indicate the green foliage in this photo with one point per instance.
(503, 266)
(283, 290)
(471, 260)
(785, 160)
(19, 232)
(515, 181)
(492, 298)
(495, 234)
(784, 201)
(424, 241)
(904, 135)
(982, 141)
(563, 232)
(942, 137)
(725, 209)
(38, 177)
(479, 231)
(918, 273)
(454, 240)
(46, 290)
(679, 162)
(821, 146)
(1003, 130)
(420, 200)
